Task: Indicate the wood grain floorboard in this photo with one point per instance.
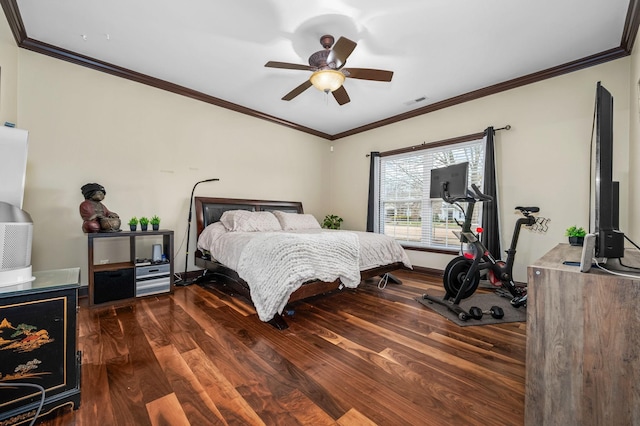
(368, 356)
(167, 411)
(190, 393)
(232, 406)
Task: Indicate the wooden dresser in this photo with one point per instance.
(583, 343)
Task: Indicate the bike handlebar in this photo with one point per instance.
(479, 195)
(472, 196)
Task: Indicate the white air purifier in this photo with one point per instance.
(16, 235)
(13, 164)
(157, 253)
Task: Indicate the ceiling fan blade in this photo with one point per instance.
(340, 94)
(368, 74)
(295, 92)
(286, 65)
(341, 51)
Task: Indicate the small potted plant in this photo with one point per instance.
(155, 222)
(144, 223)
(133, 223)
(576, 235)
(332, 221)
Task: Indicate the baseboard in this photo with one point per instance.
(83, 291)
(192, 275)
(428, 271)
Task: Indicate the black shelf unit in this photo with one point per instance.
(118, 282)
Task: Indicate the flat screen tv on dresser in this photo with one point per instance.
(606, 201)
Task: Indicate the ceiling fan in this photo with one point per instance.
(328, 72)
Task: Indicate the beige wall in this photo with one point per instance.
(148, 148)
(542, 161)
(634, 144)
(8, 75)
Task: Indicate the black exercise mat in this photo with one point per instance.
(482, 300)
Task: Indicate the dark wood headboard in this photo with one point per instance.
(209, 210)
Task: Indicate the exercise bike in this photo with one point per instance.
(462, 274)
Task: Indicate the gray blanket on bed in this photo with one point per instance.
(275, 264)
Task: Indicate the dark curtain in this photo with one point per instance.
(490, 222)
(371, 209)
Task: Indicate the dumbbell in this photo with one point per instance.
(495, 311)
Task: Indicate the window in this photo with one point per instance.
(405, 211)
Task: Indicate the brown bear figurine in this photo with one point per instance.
(96, 216)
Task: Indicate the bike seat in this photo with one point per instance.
(528, 209)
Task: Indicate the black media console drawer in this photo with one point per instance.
(114, 285)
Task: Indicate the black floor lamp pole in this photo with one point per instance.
(183, 280)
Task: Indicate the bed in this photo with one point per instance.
(241, 247)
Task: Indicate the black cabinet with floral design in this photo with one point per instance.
(38, 348)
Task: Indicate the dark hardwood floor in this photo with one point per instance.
(358, 357)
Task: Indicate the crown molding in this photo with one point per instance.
(629, 33)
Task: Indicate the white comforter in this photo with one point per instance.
(275, 264)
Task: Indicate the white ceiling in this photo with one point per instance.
(438, 49)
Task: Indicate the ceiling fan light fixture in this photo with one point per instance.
(327, 80)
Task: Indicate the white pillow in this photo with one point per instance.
(295, 221)
(210, 234)
(248, 221)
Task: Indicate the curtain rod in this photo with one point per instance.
(446, 142)
(507, 127)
